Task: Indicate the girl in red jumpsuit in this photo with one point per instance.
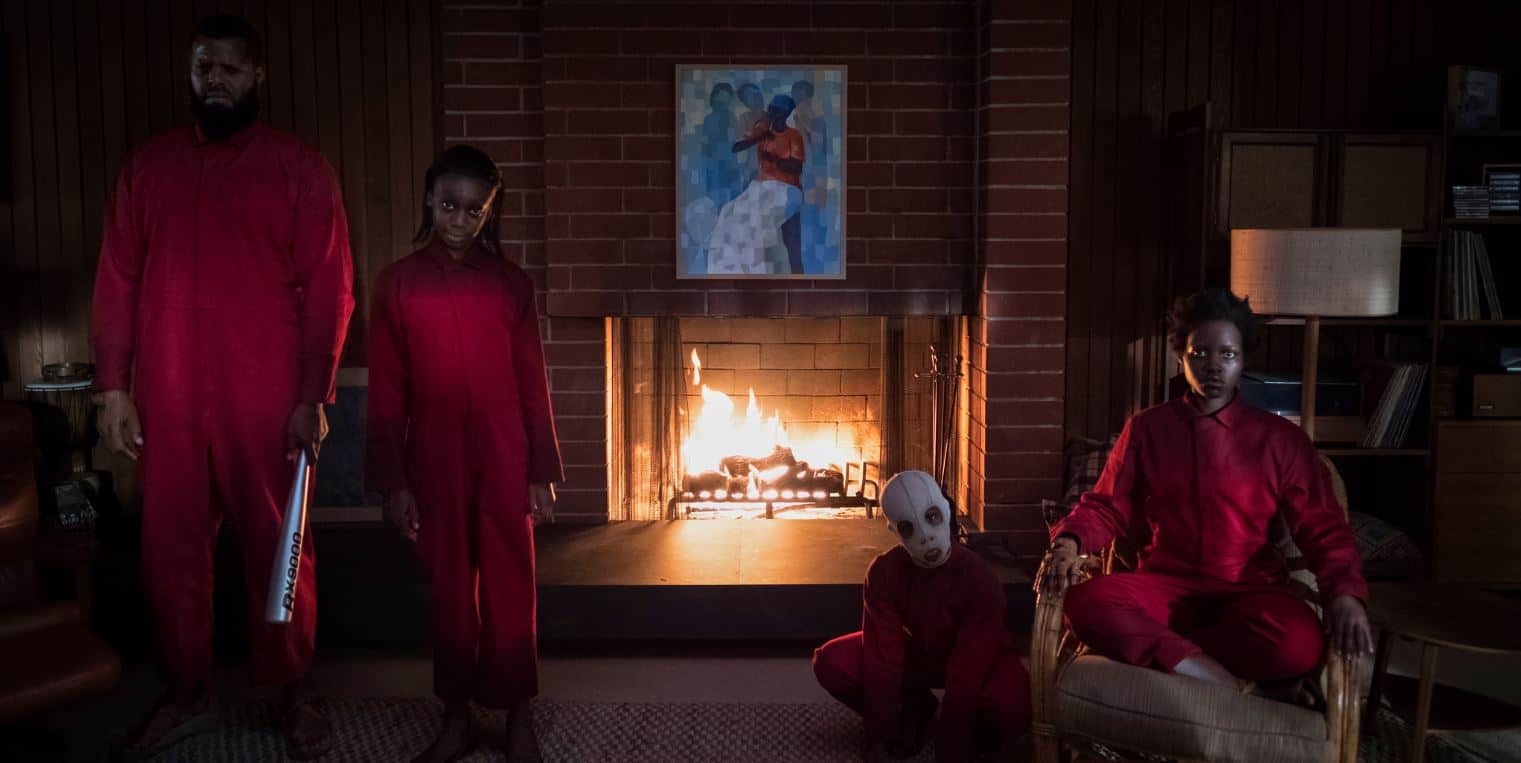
(462, 443)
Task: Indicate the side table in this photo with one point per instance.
(1470, 618)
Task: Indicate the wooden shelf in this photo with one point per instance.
(1284, 320)
(1401, 452)
(1462, 221)
(1486, 133)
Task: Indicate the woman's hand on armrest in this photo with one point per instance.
(1347, 624)
(1061, 569)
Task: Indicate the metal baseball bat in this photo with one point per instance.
(286, 570)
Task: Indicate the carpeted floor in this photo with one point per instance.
(378, 730)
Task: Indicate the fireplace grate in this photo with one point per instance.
(858, 487)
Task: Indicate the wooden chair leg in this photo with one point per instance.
(1376, 689)
(1048, 749)
(1423, 708)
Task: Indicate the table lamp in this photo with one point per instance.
(1315, 273)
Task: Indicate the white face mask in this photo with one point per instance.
(920, 516)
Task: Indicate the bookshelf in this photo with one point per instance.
(1478, 222)
(1461, 347)
(1454, 324)
(1367, 322)
(1377, 452)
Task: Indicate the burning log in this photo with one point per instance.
(776, 475)
(705, 482)
(780, 456)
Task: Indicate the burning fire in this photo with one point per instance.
(747, 455)
(716, 434)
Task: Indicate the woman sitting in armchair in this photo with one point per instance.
(1206, 475)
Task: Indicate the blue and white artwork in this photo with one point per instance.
(760, 172)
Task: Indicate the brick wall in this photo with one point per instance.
(493, 98)
(1019, 339)
(958, 174)
(609, 73)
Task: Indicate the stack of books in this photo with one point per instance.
(1471, 291)
(1390, 423)
(1470, 201)
(1504, 191)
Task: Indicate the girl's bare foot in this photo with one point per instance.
(522, 743)
(455, 739)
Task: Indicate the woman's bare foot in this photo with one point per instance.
(455, 739)
(1206, 668)
(522, 743)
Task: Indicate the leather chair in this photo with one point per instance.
(1081, 698)
(48, 656)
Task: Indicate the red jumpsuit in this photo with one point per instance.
(221, 301)
(930, 628)
(459, 415)
(1205, 489)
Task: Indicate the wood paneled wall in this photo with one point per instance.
(1267, 64)
(89, 79)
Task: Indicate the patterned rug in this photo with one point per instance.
(379, 730)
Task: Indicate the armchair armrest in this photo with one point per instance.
(72, 552)
(1344, 702)
(1046, 638)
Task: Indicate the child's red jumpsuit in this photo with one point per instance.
(459, 414)
(924, 629)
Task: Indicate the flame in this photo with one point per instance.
(716, 434)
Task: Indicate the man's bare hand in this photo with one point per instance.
(541, 502)
(118, 423)
(306, 429)
(401, 511)
(1061, 569)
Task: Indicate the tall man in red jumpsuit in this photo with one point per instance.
(933, 617)
(222, 299)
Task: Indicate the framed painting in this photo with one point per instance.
(760, 172)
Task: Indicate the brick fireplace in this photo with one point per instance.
(958, 113)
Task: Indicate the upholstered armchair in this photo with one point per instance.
(1082, 698)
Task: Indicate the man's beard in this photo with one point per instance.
(218, 121)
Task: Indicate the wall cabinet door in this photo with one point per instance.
(1271, 180)
(1389, 181)
(1478, 502)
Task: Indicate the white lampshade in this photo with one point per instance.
(1317, 271)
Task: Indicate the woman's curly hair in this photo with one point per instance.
(1212, 305)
